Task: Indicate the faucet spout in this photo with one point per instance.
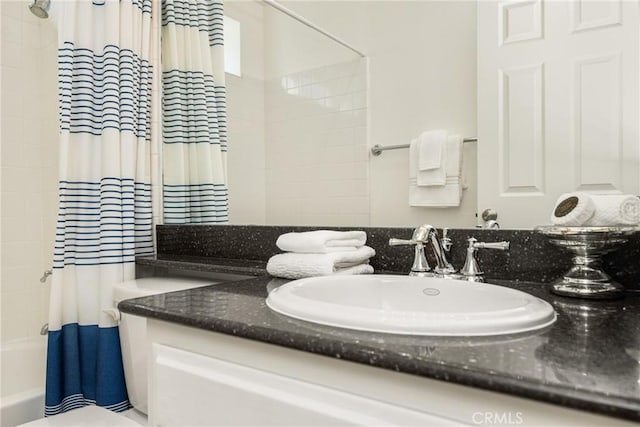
(442, 264)
(426, 235)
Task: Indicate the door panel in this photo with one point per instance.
(557, 104)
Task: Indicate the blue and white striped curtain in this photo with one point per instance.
(105, 217)
(194, 112)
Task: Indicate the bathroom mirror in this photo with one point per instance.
(306, 109)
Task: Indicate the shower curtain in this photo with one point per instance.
(194, 112)
(104, 217)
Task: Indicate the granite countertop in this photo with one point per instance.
(589, 359)
(205, 264)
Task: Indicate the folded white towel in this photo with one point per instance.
(431, 150)
(596, 210)
(615, 209)
(322, 241)
(298, 266)
(430, 157)
(444, 196)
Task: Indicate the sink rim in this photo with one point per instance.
(535, 314)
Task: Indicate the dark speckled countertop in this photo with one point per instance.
(206, 265)
(589, 359)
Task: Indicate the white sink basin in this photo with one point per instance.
(411, 305)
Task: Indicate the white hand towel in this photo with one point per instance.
(454, 156)
(615, 209)
(444, 196)
(321, 241)
(431, 158)
(431, 149)
(298, 266)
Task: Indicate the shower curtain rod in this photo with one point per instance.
(274, 4)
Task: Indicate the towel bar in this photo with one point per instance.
(376, 150)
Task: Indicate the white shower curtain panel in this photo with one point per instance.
(105, 217)
(194, 112)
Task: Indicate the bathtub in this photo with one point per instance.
(23, 375)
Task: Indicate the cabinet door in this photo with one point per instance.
(557, 104)
(191, 389)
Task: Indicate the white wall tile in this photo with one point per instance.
(11, 26)
(312, 154)
(29, 141)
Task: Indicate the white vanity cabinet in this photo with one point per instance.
(200, 378)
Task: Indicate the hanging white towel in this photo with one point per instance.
(443, 196)
(454, 157)
(431, 149)
(431, 157)
(297, 266)
(321, 241)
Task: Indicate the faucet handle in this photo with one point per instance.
(400, 242)
(502, 246)
(420, 265)
(471, 268)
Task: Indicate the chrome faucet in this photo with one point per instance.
(471, 271)
(444, 267)
(427, 234)
(418, 239)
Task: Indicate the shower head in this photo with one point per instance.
(40, 8)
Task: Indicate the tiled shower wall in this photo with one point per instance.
(316, 146)
(29, 166)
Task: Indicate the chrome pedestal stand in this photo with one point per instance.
(586, 279)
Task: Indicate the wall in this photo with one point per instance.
(29, 166)
(293, 47)
(245, 119)
(422, 76)
(315, 134)
(316, 146)
(296, 121)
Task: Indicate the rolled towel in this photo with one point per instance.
(573, 209)
(322, 241)
(298, 266)
(615, 209)
(596, 210)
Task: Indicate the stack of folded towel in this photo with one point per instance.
(435, 170)
(596, 210)
(321, 253)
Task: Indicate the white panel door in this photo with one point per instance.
(557, 104)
